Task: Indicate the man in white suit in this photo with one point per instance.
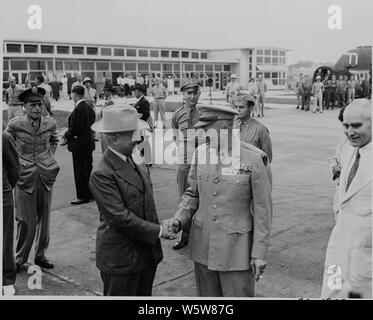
(348, 263)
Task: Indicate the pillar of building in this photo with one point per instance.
(244, 68)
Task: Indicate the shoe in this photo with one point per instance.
(258, 115)
(179, 245)
(44, 263)
(79, 201)
(9, 290)
(148, 164)
(297, 107)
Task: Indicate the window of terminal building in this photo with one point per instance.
(267, 60)
(267, 52)
(130, 66)
(275, 52)
(209, 67)
(106, 51)
(118, 52)
(87, 65)
(282, 53)
(218, 67)
(92, 50)
(143, 53)
(185, 54)
(117, 66)
(72, 65)
(167, 67)
(143, 67)
(131, 52)
(267, 75)
(5, 76)
(77, 50)
(102, 66)
(155, 67)
(176, 67)
(259, 51)
(13, 48)
(227, 67)
(30, 48)
(18, 65)
(274, 60)
(50, 65)
(275, 75)
(175, 54)
(5, 65)
(189, 67)
(195, 55)
(59, 65)
(203, 55)
(199, 67)
(63, 49)
(165, 53)
(154, 53)
(282, 60)
(259, 60)
(46, 49)
(37, 65)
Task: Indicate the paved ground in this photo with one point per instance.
(303, 218)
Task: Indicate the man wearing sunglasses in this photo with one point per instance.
(183, 119)
(36, 140)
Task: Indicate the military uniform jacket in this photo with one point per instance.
(231, 213)
(36, 147)
(128, 235)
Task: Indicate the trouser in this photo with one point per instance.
(325, 98)
(299, 98)
(261, 99)
(15, 111)
(33, 221)
(318, 101)
(331, 98)
(340, 99)
(9, 266)
(212, 283)
(145, 148)
(159, 108)
(306, 102)
(134, 284)
(232, 101)
(82, 162)
(351, 95)
(182, 184)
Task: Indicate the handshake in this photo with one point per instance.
(170, 228)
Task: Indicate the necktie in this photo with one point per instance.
(353, 170)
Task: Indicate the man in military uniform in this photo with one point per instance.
(230, 206)
(36, 140)
(262, 90)
(341, 88)
(332, 91)
(251, 130)
(47, 97)
(15, 107)
(183, 119)
(326, 92)
(299, 90)
(232, 90)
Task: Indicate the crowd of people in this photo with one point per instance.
(225, 209)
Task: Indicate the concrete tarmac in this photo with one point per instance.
(303, 144)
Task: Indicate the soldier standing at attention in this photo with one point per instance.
(326, 92)
(299, 90)
(232, 90)
(251, 130)
(341, 88)
(317, 91)
(183, 119)
(230, 205)
(262, 90)
(36, 140)
(333, 91)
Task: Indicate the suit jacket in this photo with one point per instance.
(128, 236)
(11, 165)
(79, 135)
(231, 213)
(36, 147)
(142, 106)
(350, 243)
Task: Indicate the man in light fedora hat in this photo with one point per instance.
(128, 247)
(232, 90)
(230, 205)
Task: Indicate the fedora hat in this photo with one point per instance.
(210, 113)
(233, 76)
(119, 117)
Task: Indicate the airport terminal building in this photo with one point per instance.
(102, 61)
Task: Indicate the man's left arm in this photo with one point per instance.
(262, 209)
(266, 143)
(53, 139)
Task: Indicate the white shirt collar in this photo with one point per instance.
(122, 156)
(80, 101)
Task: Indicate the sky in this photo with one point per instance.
(301, 26)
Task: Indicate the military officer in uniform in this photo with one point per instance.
(183, 119)
(251, 130)
(232, 90)
(36, 140)
(230, 206)
(262, 90)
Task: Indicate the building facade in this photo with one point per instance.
(101, 62)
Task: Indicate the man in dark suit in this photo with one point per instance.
(81, 143)
(143, 109)
(128, 247)
(11, 170)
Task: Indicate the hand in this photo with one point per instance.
(173, 225)
(258, 266)
(166, 232)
